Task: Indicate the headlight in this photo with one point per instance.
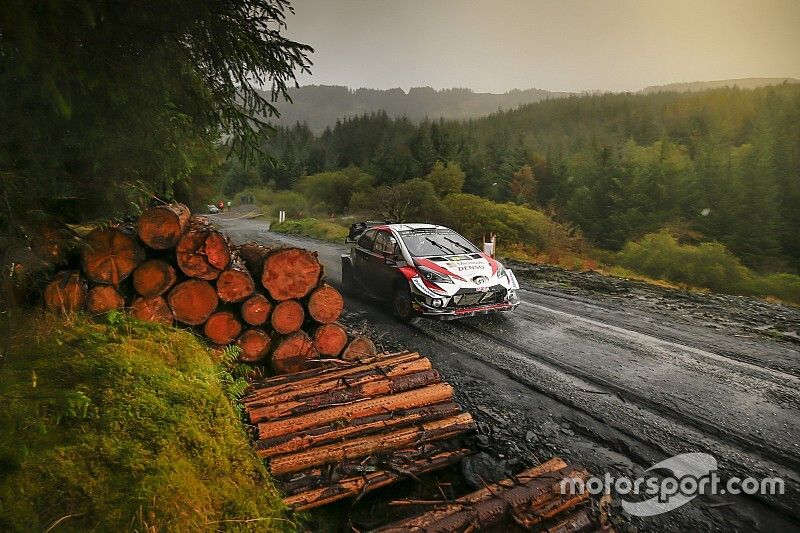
(431, 275)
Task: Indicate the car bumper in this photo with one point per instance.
(452, 312)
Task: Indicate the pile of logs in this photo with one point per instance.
(334, 433)
(532, 499)
(174, 267)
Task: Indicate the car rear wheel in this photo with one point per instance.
(401, 303)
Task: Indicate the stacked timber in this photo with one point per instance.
(173, 267)
(532, 500)
(333, 433)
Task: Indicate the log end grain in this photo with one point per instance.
(152, 309)
(359, 348)
(161, 227)
(110, 255)
(235, 285)
(255, 345)
(222, 328)
(154, 277)
(66, 293)
(325, 305)
(256, 309)
(330, 339)
(291, 273)
(104, 298)
(192, 301)
(287, 317)
(294, 353)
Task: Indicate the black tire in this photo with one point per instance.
(401, 303)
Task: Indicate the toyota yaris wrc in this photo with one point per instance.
(425, 270)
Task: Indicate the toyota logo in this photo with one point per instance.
(480, 280)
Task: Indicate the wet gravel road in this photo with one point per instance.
(617, 376)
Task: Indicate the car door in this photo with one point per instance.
(385, 268)
(363, 258)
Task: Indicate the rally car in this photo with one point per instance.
(425, 270)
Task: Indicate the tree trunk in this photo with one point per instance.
(222, 328)
(359, 427)
(293, 352)
(287, 317)
(359, 348)
(202, 251)
(256, 309)
(291, 273)
(161, 227)
(440, 392)
(154, 277)
(255, 344)
(330, 339)
(364, 446)
(110, 255)
(235, 282)
(104, 298)
(152, 309)
(67, 292)
(360, 484)
(192, 301)
(325, 305)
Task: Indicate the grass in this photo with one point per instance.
(310, 227)
(123, 426)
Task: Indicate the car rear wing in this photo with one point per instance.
(360, 227)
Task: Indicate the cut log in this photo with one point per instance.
(202, 251)
(371, 389)
(308, 379)
(154, 277)
(255, 344)
(222, 328)
(360, 484)
(490, 491)
(291, 273)
(255, 310)
(161, 227)
(359, 348)
(337, 381)
(152, 309)
(110, 255)
(253, 254)
(359, 427)
(287, 317)
(235, 282)
(104, 298)
(440, 392)
(192, 301)
(364, 446)
(294, 352)
(325, 305)
(67, 292)
(330, 339)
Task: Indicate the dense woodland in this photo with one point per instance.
(720, 165)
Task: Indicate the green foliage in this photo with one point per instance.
(330, 192)
(309, 227)
(661, 256)
(446, 179)
(411, 201)
(724, 163)
(475, 217)
(124, 427)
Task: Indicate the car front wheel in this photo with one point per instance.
(401, 303)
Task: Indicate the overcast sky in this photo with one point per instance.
(569, 45)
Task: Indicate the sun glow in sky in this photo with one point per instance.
(569, 45)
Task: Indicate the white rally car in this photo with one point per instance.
(425, 270)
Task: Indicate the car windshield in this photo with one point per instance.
(424, 243)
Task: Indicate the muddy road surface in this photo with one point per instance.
(617, 375)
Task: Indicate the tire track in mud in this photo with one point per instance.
(638, 432)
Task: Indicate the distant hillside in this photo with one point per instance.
(742, 83)
(321, 105)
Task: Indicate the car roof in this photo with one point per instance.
(414, 226)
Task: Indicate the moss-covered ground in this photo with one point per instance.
(123, 426)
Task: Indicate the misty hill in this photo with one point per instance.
(321, 105)
(742, 83)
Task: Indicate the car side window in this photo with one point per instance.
(381, 242)
(366, 240)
